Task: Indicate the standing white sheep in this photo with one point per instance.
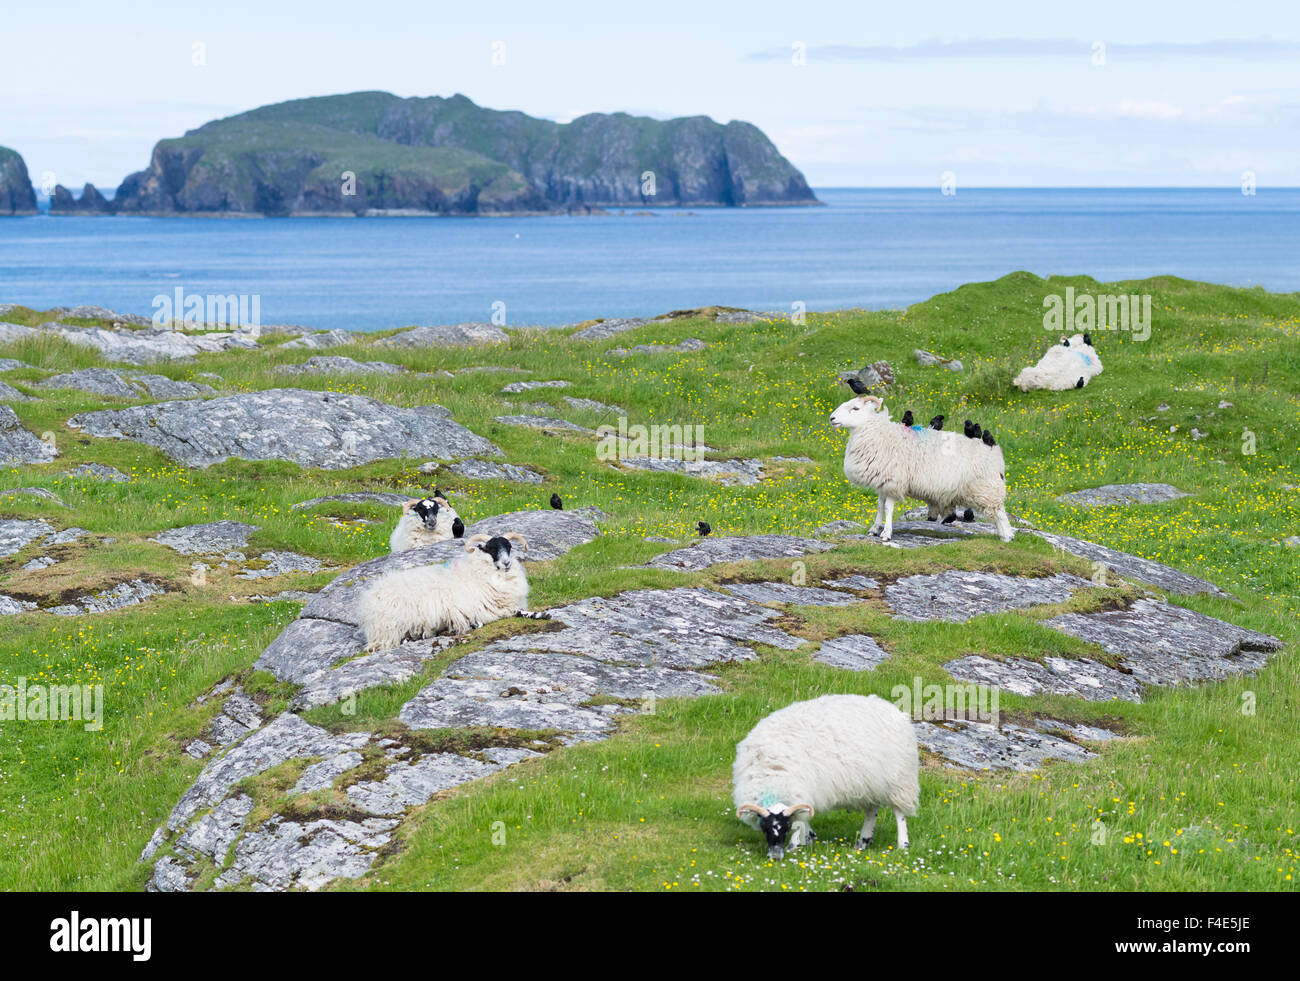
(942, 468)
(1071, 364)
(851, 751)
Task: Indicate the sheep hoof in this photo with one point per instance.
(864, 843)
(885, 538)
(875, 530)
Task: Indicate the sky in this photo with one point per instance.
(853, 93)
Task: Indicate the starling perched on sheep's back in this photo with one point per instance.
(907, 418)
(967, 428)
(936, 422)
(988, 438)
(458, 529)
(704, 528)
(556, 502)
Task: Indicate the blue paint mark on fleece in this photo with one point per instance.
(1086, 359)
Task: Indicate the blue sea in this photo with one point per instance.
(875, 248)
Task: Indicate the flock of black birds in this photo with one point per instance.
(972, 429)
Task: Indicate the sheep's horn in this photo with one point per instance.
(410, 504)
(515, 536)
(872, 398)
(473, 540)
(801, 807)
(760, 811)
(441, 500)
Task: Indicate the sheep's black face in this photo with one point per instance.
(499, 549)
(776, 828)
(427, 511)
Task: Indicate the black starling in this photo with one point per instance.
(556, 502)
(969, 515)
(907, 418)
(1087, 339)
(968, 428)
(950, 519)
(988, 438)
(437, 492)
(458, 529)
(976, 432)
(855, 383)
(705, 528)
(936, 422)
(1079, 383)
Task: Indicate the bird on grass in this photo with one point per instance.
(556, 502)
(936, 422)
(704, 528)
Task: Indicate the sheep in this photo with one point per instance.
(944, 469)
(849, 751)
(423, 522)
(1071, 364)
(482, 584)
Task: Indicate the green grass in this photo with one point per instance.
(650, 807)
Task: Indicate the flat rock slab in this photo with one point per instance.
(359, 497)
(334, 365)
(323, 340)
(673, 628)
(690, 344)
(212, 538)
(12, 364)
(324, 684)
(122, 595)
(486, 470)
(313, 429)
(280, 564)
(152, 344)
(732, 473)
(957, 596)
(103, 381)
(712, 551)
(41, 492)
(98, 471)
(591, 405)
(855, 581)
(616, 325)
(1168, 645)
(9, 606)
(1091, 497)
(453, 335)
(1081, 678)
(984, 746)
(10, 394)
(784, 592)
(282, 855)
(545, 423)
(528, 386)
(1143, 570)
(853, 652)
(17, 445)
(16, 534)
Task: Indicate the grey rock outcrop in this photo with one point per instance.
(486, 470)
(313, 429)
(17, 445)
(731, 473)
(212, 538)
(1081, 677)
(715, 550)
(450, 335)
(334, 365)
(956, 596)
(853, 652)
(1108, 494)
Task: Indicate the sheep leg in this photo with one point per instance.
(1003, 525)
(868, 832)
(902, 829)
(932, 513)
(880, 515)
(888, 533)
(533, 614)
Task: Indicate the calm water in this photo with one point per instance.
(867, 248)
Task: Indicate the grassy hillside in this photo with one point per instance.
(1197, 798)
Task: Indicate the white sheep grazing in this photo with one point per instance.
(850, 751)
(1071, 364)
(423, 522)
(942, 468)
(482, 584)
